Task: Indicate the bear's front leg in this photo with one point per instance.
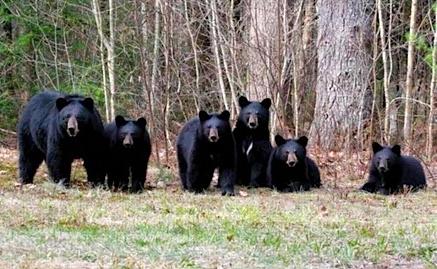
(227, 180)
(59, 166)
(194, 183)
(138, 176)
(257, 175)
(95, 169)
(296, 186)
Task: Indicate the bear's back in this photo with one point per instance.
(412, 172)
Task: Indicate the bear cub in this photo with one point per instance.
(252, 140)
(204, 144)
(58, 128)
(289, 169)
(390, 172)
(129, 153)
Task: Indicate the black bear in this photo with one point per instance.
(205, 143)
(252, 140)
(59, 128)
(129, 153)
(289, 168)
(390, 172)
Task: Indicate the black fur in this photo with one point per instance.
(390, 172)
(198, 156)
(295, 172)
(43, 135)
(252, 142)
(129, 153)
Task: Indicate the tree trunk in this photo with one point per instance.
(262, 48)
(409, 82)
(344, 64)
(111, 60)
(432, 101)
(102, 40)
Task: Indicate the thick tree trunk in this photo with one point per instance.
(263, 48)
(344, 64)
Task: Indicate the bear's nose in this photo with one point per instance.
(252, 124)
(291, 163)
(71, 131)
(213, 138)
(382, 169)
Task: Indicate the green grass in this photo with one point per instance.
(44, 226)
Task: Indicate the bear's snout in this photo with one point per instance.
(72, 126)
(383, 166)
(213, 135)
(253, 121)
(291, 159)
(128, 141)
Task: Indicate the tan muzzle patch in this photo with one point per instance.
(72, 126)
(253, 121)
(213, 135)
(291, 159)
(128, 141)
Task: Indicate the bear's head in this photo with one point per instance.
(385, 158)
(130, 132)
(254, 114)
(75, 114)
(215, 126)
(291, 151)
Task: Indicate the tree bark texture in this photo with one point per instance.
(263, 48)
(344, 64)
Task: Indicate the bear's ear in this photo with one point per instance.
(142, 122)
(242, 101)
(303, 141)
(376, 147)
(203, 116)
(396, 150)
(120, 121)
(61, 102)
(225, 115)
(88, 103)
(266, 103)
(279, 140)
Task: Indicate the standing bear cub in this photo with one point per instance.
(129, 152)
(59, 128)
(206, 143)
(252, 140)
(289, 169)
(390, 171)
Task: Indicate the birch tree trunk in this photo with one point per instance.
(213, 22)
(409, 82)
(344, 64)
(386, 81)
(111, 59)
(102, 44)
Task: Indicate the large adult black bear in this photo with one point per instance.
(205, 143)
(59, 128)
(289, 168)
(390, 172)
(252, 139)
(129, 152)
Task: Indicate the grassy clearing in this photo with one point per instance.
(44, 226)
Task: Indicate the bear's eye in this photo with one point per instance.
(287, 152)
